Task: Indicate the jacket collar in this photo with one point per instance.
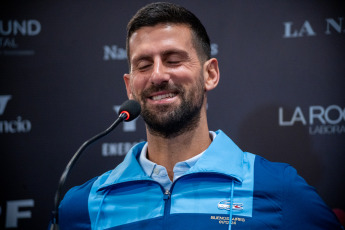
(222, 156)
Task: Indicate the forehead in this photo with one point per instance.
(161, 36)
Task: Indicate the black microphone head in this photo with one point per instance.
(131, 108)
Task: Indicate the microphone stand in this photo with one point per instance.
(71, 163)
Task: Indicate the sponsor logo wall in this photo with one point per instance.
(332, 26)
(17, 125)
(13, 30)
(281, 93)
(320, 120)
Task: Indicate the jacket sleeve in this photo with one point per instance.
(73, 210)
(302, 207)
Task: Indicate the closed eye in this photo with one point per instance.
(143, 65)
(175, 58)
(174, 62)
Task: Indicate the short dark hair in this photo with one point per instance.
(164, 12)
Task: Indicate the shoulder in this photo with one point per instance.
(304, 205)
(73, 209)
(298, 203)
(282, 175)
(266, 166)
(269, 175)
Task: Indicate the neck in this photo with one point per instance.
(168, 151)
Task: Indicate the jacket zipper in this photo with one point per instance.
(167, 204)
(167, 196)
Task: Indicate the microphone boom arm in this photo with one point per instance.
(71, 163)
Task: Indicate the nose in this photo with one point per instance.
(159, 74)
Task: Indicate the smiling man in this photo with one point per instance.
(186, 176)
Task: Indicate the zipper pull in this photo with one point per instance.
(166, 195)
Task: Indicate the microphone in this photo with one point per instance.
(129, 110)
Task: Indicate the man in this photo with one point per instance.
(185, 176)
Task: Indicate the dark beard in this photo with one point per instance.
(183, 119)
(175, 121)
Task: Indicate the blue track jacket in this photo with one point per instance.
(225, 184)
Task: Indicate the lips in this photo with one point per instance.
(163, 93)
(163, 96)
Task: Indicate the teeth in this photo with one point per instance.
(163, 96)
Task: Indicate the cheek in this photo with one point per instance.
(138, 85)
(198, 89)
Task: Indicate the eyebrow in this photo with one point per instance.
(175, 51)
(165, 53)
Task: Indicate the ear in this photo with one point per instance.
(127, 79)
(211, 74)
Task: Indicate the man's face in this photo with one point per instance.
(166, 78)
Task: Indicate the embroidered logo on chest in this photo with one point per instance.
(225, 205)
